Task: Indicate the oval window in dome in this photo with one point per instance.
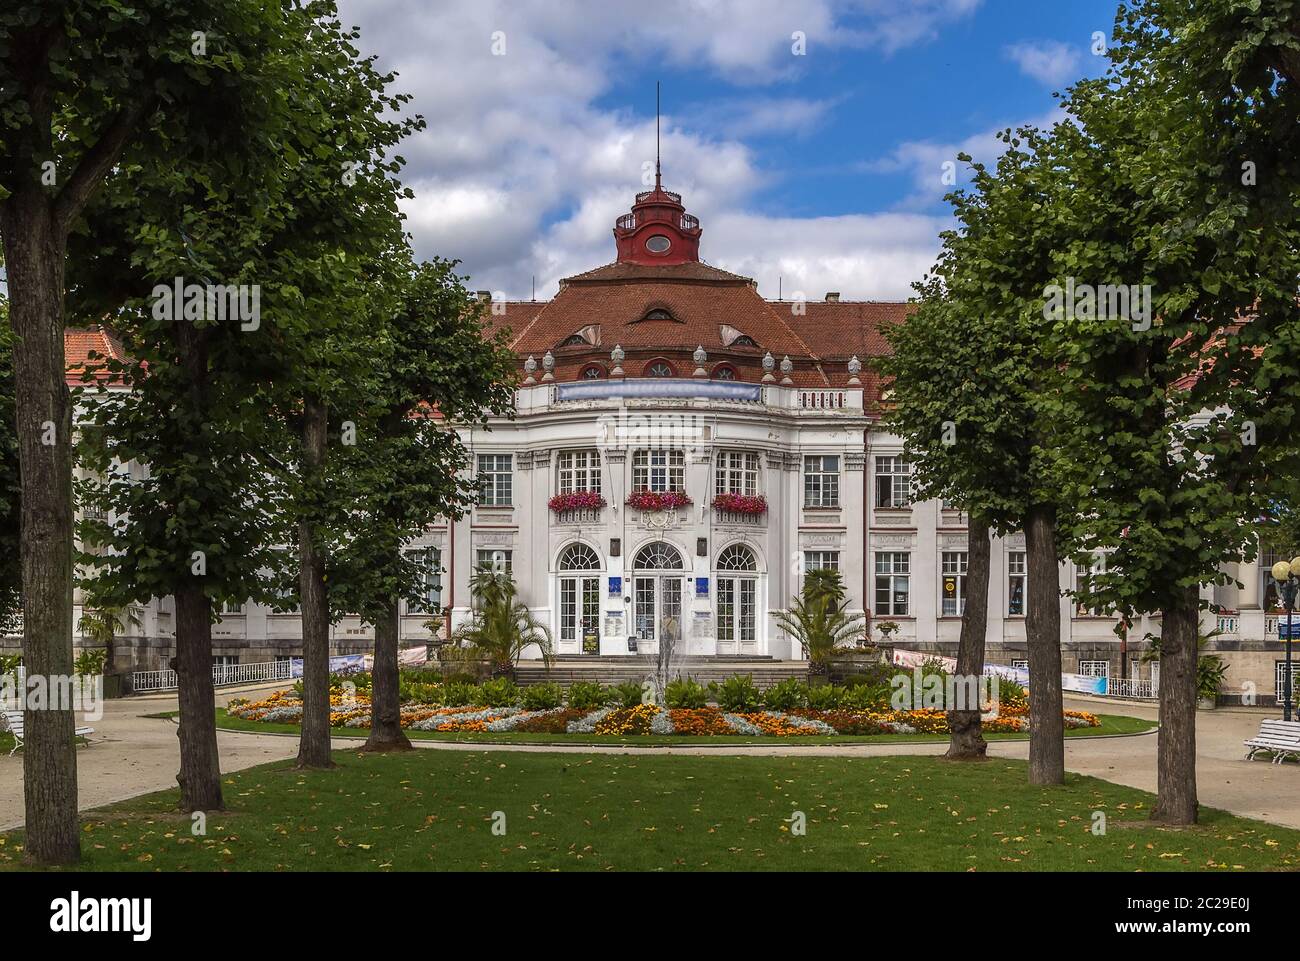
(658, 244)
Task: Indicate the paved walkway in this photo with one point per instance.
(132, 754)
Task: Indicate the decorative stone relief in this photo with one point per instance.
(855, 461)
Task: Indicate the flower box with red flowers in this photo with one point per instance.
(657, 500)
(741, 504)
(576, 501)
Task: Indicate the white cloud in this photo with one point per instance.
(520, 173)
(1050, 62)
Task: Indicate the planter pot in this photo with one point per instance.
(1205, 703)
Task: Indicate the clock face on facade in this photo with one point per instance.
(658, 244)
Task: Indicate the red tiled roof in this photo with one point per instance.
(80, 342)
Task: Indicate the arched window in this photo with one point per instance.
(724, 372)
(744, 340)
(659, 368)
(658, 557)
(659, 313)
(579, 557)
(593, 372)
(575, 340)
(737, 557)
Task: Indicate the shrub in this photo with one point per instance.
(786, 696)
(589, 695)
(685, 692)
(823, 697)
(737, 694)
(498, 692)
(865, 697)
(627, 694)
(541, 697)
(458, 694)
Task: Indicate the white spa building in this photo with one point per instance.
(684, 451)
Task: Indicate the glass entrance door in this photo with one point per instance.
(657, 600)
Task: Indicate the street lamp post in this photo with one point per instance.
(1287, 576)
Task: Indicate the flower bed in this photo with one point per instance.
(646, 719)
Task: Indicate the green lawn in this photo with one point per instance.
(1111, 724)
(434, 810)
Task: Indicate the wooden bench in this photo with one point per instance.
(14, 720)
(1280, 737)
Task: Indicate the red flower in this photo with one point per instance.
(657, 501)
(576, 500)
(741, 503)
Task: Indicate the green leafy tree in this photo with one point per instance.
(88, 89)
(1187, 414)
(215, 400)
(970, 386)
(431, 374)
(818, 621)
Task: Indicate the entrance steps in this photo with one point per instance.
(566, 669)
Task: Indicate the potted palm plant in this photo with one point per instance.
(501, 625)
(817, 619)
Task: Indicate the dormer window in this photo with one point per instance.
(659, 368)
(589, 336)
(731, 337)
(577, 340)
(659, 313)
(593, 372)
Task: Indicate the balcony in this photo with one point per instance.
(688, 392)
(576, 516)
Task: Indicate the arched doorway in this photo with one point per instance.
(657, 586)
(579, 600)
(737, 601)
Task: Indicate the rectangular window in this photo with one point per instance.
(430, 587)
(821, 560)
(893, 482)
(821, 481)
(579, 471)
(1020, 664)
(953, 583)
(737, 473)
(1094, 668)
(495, 480)
(893, 583)
(659, 470)
(225, 660)
(1084, 608)
(494, 559)
(1017, 574)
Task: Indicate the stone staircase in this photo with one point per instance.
(566, 669)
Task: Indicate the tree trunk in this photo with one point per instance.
(1043, 634)
(386, 732)
(1176, 752)
(34, 248)
(314, 743)
(200, 774)
(966, 739)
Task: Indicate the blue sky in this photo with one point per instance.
(820, 171)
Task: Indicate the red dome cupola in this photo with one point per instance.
(658, 230)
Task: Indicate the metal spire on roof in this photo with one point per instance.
(658, 183)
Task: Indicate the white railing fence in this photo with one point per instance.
(143, 682)
(1226, 624)
(1132, 687)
